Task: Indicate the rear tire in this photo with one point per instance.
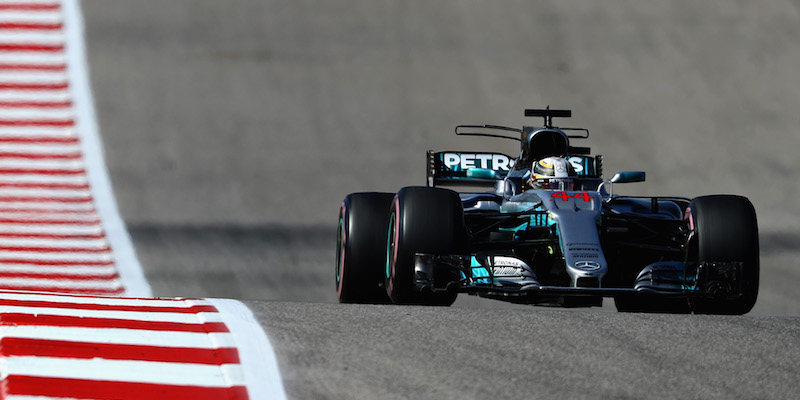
(725, 230)
(422, 220)
(360, 248)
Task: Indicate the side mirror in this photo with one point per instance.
(628, 177)
(621, 177)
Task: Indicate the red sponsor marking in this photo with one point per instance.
(110, 307)
(33, 47)
(30, 7)
(564, 196)
(32, 66)
(120, 323)
(585, 196)
(92, 389)
(58, 348)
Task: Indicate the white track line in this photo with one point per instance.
(257, 356)
(130, 270)
(76, 271)
(63, 285)
(103, 301)
(184, 318)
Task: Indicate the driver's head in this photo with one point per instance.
(553, 173)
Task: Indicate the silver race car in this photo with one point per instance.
(545, 228)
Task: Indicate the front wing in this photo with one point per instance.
(518, 284)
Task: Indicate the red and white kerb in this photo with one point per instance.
(62, 346)
(65, 254)
(51, 234)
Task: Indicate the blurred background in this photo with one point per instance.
(233, 130)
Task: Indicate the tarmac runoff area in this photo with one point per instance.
(233, 130)
(66, 258)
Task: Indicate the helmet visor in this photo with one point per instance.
(554, 184)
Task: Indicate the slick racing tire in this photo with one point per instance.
(726, 230)
(360, 248)
(422, 220)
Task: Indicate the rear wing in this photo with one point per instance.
(467, 168)
(464, 168)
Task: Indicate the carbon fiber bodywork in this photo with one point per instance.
(566, 247)
(537, 248)
(571, 244)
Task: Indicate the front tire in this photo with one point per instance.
(422, 220)
(726, 230)
(360, 248)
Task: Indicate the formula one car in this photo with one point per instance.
(546, 229)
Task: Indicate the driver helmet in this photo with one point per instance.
(553, 173)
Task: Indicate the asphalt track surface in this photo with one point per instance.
(233, 130)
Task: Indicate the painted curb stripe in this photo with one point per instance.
(125, 336)
(132, 305)
(64, 249)
(32, 67)
(26, 139)
(43, 209)
(88, 389)
(58, 298)
(73, 271)
(30, 6)
(56, 263)
(111, 343)
(61, 348)
(153, 372)
(19, 235)
(43, 171)
(184, 318)
(47, 274)
(86, 322)
(126, 262)
(261, 373)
